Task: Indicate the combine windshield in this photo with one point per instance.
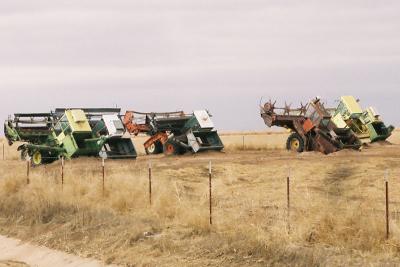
(312, 113)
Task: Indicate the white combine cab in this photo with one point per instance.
(113, 125)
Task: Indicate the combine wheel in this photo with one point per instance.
(37, 158)
(295, 143)
(171, 148)
(155, 148)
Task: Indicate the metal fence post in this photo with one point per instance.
(210, 189)
(150, 173)
(104, 173)
(288, 199)
(28, 165)
(62, 173)
(387, 204)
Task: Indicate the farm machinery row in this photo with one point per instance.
(75, 132)
(314, 127)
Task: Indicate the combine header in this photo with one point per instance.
(174, 132)
(311, 126)
(33, 128)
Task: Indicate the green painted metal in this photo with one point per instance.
(174, 132)
(207, 139)
(107, 122)
(33, 128)
(70, 133)
(367, 125)
(71, 136)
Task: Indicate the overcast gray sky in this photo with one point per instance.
(222, 55)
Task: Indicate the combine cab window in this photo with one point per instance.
(61, 125)
(314, 117)
(119, 127)
(325, 122)
(58, 129)
(311, 113)
(316, 113)
(64, 123)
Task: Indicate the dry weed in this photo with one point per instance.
(337, 216)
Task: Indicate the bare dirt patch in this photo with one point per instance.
(13, 264)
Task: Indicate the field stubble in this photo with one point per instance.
(337, 214)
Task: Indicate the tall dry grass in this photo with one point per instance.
(249, 141)
(254, 141)
(337, 213)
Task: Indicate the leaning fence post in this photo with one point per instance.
(104, 173)
(150, 182)
(288, 199)
(210, 189)
(28, 165)
(243, 141)
(387, 203)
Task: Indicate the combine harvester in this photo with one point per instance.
(107, 122)
(66, 133)
(174, 133)
(367, 125)
(311, 126)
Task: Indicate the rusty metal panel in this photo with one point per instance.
(308, 125)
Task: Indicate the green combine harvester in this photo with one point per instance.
(367, 125)
(174, 133)
(49, 136)
(107, 122)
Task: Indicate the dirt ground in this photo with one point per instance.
(11, 263)
(19, 254)
(336, 215)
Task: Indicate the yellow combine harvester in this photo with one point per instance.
(367, 124)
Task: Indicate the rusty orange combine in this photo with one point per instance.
(311, 126)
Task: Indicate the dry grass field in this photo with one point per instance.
(336, 218)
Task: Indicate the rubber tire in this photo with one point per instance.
(171, 148)
(293, 137)
(36, 159)
(158, 148)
